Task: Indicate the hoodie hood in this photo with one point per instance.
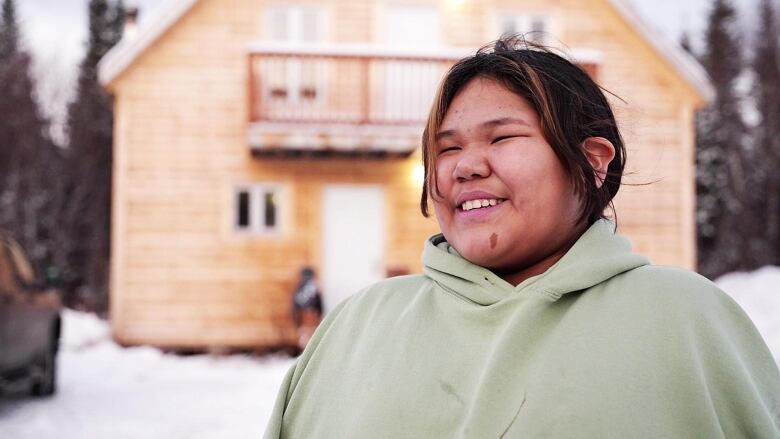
(598, 255)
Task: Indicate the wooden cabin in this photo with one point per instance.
(257, 137)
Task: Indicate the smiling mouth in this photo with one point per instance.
(479, 204)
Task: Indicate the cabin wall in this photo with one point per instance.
(182, 277)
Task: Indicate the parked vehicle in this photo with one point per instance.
(29, 323)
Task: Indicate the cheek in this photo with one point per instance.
(437, 194)
(560, 199)
(524, 177)
(444, 167)
(535, 181)
(442, 178)
(444, 217)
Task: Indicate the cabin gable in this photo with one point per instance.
(195, 128)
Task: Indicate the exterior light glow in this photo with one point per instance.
(418, 175)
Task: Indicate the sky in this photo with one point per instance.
(57, 28)
(55, 32)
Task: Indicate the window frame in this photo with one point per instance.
(257, 209)
(527, 18)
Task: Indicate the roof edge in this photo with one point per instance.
(121, 56)
(685, 63)
(578, 55)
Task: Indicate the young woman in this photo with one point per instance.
(533, 318)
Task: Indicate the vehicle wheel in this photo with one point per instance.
(46, 383)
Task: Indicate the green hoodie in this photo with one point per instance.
(601, 345)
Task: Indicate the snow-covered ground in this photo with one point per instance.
(106, 391)
(758, 293)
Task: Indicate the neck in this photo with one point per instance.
(516, 276)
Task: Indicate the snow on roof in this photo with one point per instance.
(122, 56)
(684, 62)
(128, 50)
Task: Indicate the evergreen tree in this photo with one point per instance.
(25, 174)
(90, 128)
(722, 145)
(9, 42)
(9, 31)
(685, 43)
(118, 16)
(764, 178)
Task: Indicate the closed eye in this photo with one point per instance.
(451, 148)
(500, 138)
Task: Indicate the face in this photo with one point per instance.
(506, 202)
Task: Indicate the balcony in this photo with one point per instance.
(346, 99)
(341, 99)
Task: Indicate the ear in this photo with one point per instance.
(599, 152)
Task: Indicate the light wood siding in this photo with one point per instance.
(181, 276)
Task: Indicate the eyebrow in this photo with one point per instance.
(506, 121)
(491, 123)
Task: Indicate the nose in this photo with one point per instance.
(472, 164)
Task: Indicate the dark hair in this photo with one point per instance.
(571, 108)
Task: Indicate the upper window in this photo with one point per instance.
(294, 81)
(533, 27)
(258, 208)
(410, 25)
(294, 24)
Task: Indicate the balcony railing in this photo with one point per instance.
(344, 84)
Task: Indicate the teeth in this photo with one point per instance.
(476, 204)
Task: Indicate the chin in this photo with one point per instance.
(477, 253)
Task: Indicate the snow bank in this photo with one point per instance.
(82, 330)
(106, 391)
(758, 293)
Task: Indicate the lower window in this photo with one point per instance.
(257, 208)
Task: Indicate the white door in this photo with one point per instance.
(353, 240)
(409, 87)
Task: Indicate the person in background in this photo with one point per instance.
(306, 307)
